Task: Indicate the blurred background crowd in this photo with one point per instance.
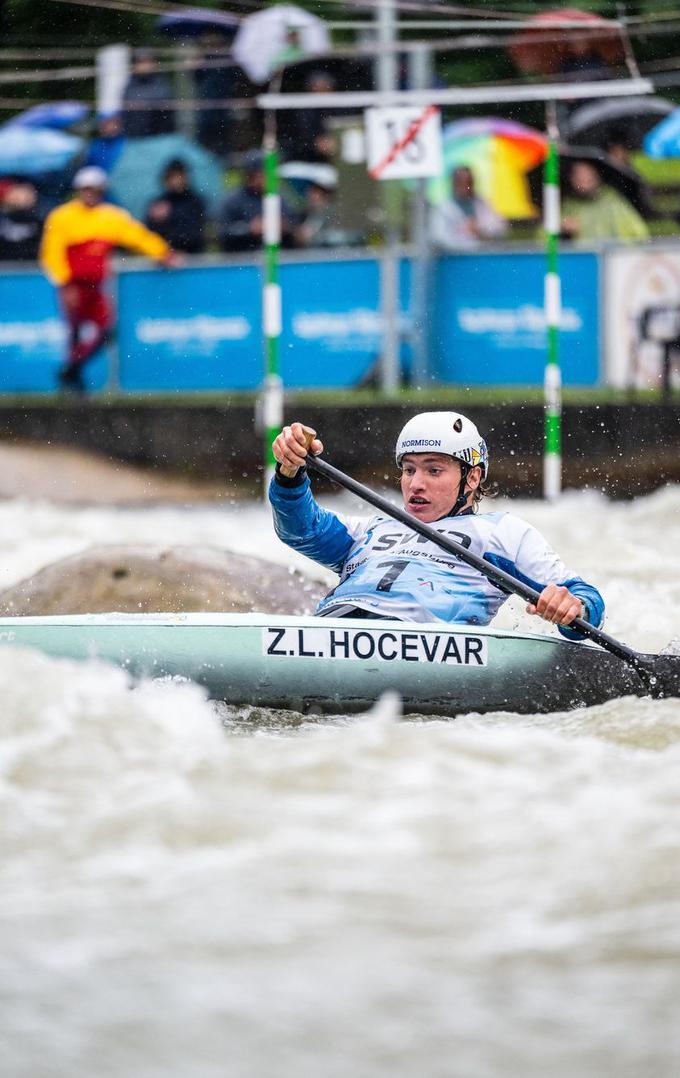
(175, 127)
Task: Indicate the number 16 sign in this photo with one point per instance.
(404, 143)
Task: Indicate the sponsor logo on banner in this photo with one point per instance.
(385, 645)
(32, 336)
(202, 329)
(509, 322)
(340, 330)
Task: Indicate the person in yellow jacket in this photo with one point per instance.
(76, 244)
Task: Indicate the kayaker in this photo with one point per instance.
(387, 571)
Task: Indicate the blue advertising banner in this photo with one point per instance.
(331, 322)
(190, 329)
(33, 336)
(199, 328)
(489, 324)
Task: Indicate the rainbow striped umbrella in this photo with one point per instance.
(500, 153)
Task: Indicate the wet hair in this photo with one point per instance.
(484, 489)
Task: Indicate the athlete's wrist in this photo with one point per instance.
(290, 480)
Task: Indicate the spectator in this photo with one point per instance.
(594, 211)
(107, 145)
(304, 133)
(240, 224)
(219, 80)
(315, 228)
(619, 146)
(583, 62)
(21, 223)
(463, 221)
(147, 88)
(178, 215)
(318, 226)
(77, 240)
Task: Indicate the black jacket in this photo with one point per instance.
(184, 227)
(147, 89)
(238, 210)
(20, 232)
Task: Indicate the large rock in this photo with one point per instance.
(150, 578)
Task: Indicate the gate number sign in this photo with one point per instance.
(403, 142)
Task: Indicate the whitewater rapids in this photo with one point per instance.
(191, 891)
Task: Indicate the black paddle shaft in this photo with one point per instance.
(505, 581)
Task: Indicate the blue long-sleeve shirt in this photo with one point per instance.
(387, 569)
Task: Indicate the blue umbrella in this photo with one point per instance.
(53, 114)
(194, 21)
(664, 139)
(136, 176)
(31, 151)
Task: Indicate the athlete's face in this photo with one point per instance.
(430, 484)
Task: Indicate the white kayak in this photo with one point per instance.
(338, 665)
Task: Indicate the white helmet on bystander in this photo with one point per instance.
(90, 176)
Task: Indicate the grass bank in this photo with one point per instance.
(437, 396)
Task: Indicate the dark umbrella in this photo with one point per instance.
(546, 47)
(192, 22)
(592, 124)
(347, 73)
(624, 180)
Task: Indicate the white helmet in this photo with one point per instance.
(90, 176)
(444, 432)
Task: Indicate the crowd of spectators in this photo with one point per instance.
(180, 213)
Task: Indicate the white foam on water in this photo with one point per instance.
(186, 891)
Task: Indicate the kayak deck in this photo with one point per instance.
(338, 665)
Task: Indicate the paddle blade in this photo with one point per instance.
(661, 674)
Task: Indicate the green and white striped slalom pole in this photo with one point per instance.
(272, 391)
(552, 384)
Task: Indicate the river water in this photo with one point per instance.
(186, 892)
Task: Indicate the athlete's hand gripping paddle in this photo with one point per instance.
(309, 436)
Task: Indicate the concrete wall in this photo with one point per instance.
(623, 450)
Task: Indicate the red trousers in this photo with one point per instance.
(85, 303)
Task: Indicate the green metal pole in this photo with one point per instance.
(272, 392)
(552, 449)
